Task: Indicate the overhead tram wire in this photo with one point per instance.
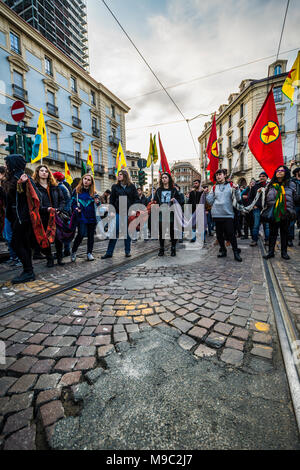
(152, 71)
(282, 29)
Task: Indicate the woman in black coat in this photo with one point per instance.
(281, 194)
(124, 187)
(165, 196)
(51, 198)
(17, 212)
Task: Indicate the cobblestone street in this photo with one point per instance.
(215, 310)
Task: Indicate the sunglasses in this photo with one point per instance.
(281, 171)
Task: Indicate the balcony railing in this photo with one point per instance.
(239, 143)
(95, 132)
(113, 140)
(52, 109)
(111, 173)
(76, 122)
(57, 156)
(20, 93)
(99, 168)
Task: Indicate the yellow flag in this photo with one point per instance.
(292, 80)
(121, 163)
(150, 154)
(90, 160)
(68, 176)
(40, 146)
(155, 153)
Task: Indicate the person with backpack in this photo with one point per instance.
(84, 200)
(221, 201)
(262, 183)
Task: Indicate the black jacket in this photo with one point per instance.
(57, 199)
(252, 195)
(174, 194)
(290, 194)
(143, 200)
(129, 191)
(16, 206)
(194, 199)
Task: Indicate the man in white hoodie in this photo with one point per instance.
(220, 198)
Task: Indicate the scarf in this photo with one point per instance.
(43, 238)
(280, 202)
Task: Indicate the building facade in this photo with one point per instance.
(234, 121)
(62, 22)
(78, 110)
(132, 159)
(184, 174)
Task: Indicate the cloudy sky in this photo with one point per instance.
(190, 45)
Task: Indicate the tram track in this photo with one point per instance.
(76, 282)
(288, 334)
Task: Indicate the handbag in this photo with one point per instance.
(267, 214)
(65, 229)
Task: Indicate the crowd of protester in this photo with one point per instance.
(40, 209)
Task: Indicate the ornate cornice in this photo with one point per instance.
(51, 84)
(54, 125)
(18, 61)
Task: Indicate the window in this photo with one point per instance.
(93, 98)
(277, 70)
(277, 94)
(230, 142)
(241, 133)
(113, 111)
(241, 110)
(18, 86)
(220, 150)
(229, 120)
(77, 152)
(73, 84)
(220, 129)
(18, 79)
(94, 123)
(48, 66)
(75, 112)
(51, 97)
(132, 163)
(15, 43)
(53, 141)
(229, 165)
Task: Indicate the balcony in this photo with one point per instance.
(56, 156)
(20, 93)
(99, 168)
(111, 173)
(53, 110)
(239, 143)
(96, 132)
(229, 151)
(76, 122)
(113, 140)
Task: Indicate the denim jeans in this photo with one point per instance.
(7, 235)
(291, 232)
(256, 225)
(113, 241)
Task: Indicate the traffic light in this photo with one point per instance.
(142, 177)
(12, 144)
(27, 144)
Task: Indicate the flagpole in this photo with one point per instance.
(152, 178)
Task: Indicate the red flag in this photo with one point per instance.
(164, 166)
(264, 139)
(212, 150)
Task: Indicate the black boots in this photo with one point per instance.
(269, 255)
(284, 255)
(161, 252)
(223, 253)
(236, 255)
(173, 251)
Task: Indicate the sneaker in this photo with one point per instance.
(73, 257)
(90, 257)
(106, 256)
(24, 277)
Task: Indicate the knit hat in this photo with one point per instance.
(263, 173)
(59, 176)
(16, 164)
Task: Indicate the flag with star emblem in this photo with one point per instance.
(212, 151)
(264, 139)
(292, 80)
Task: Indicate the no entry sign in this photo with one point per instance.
(18, 111)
